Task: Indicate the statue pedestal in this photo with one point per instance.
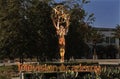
(62, 52)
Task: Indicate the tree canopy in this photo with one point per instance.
(117, 31)
(26, 29)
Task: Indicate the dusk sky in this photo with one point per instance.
(107, 12)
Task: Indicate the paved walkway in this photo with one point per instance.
(16, 78)
(101, 61)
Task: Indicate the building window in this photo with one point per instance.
(107, 39)
(112, 40)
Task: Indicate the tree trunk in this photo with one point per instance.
(94, 52)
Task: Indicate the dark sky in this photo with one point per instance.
(107, 12)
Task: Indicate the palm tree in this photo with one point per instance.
(117, 31)
(117, 35)
(95, 37)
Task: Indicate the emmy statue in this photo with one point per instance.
(60, 18)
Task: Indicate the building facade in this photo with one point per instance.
(109, 39)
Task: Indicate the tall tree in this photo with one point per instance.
(117, 31)
(26, 29)
(10, 23)
(117, 35)
(40, 20)
(95, 37)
